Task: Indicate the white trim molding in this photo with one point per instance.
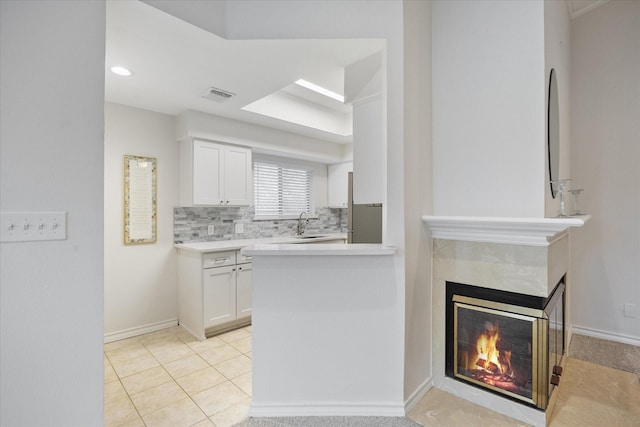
(139, 330)
(417, 395)
(516, 231)
(343, 409)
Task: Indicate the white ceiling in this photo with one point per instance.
(175, 62)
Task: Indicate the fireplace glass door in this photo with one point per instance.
(496, 349)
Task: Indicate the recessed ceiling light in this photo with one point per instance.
(121, 71)
(320, 90)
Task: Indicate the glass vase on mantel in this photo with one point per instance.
(576, 201)
(562, 192)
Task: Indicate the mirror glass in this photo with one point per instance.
(553, 133)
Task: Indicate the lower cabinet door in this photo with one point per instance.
(244, 291)
(219, 295)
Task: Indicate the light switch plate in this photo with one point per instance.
(239, 228)
(32, 226)
(211, 230)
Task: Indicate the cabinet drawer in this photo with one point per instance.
(242, 259)
(218, 259)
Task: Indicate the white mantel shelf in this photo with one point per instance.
(515, 231)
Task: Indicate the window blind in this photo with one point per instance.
(281, 190)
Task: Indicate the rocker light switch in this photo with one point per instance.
(31, 226)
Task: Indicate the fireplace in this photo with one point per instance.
(525, 257)
(507, 343)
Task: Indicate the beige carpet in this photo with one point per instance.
(624, 357)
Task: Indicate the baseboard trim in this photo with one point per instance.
(418, 394)
(327, 409)
(139, 330)
(610, 336)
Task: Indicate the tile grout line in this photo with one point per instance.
(125, 390)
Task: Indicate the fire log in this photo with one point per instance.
(492, 367)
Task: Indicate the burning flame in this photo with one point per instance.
(489, 357)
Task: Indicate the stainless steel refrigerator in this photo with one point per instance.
(364, 221)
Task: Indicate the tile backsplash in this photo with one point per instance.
(190, 224)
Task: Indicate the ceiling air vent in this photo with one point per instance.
(218, 95)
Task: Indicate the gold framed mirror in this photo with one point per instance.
(140, 199)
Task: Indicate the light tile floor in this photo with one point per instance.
(168, 378)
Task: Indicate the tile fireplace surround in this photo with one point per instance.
(522, 255)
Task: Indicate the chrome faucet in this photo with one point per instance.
(302, 225)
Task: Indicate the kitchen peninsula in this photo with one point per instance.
(328, 330)
(214, 282)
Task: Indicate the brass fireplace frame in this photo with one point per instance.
(539, 318)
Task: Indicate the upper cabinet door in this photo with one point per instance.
(208, 173)
(214, 174)
(338, 181)
(237, 176)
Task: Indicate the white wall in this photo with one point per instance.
(556, 53)
(369, 152)
(141, 281)
(605, 106)
(417, 196)
(349, 322)
(380, 19)
(51, 154)
(208, 15)
(489, 108)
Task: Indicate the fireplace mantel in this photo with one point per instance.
(516, 231)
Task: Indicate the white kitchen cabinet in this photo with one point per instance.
(219, 295)
(214, 291)
(338, 184)
(237, 176)
(214, 174)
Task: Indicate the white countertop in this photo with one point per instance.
(328, 249)
(228, 245)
